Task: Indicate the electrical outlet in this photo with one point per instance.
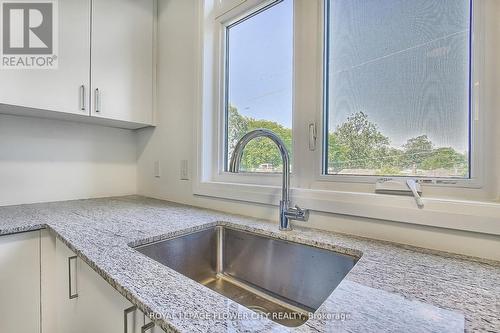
(184, 170)
(157, 169)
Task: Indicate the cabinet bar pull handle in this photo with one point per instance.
(71, 295)
(82, 98)
(147, 327)
(97, 101)
(126, 312)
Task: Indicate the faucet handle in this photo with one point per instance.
(297, 214)
(303, 213)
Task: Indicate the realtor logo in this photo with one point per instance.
(29, 34)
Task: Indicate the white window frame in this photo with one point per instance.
(467, 206)
(477, 139)
(223, 22)
(249, 8)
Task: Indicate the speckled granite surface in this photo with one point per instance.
(391, 288)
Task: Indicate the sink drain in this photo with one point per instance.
(258, 309)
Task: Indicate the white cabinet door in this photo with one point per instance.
(20, 283)
(67, 307)
(102, 306)
(122, 60)
(48, 282)
(97, 308)
(56, 89)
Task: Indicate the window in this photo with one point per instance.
(393, 99)
(397, 91)
(258, 84)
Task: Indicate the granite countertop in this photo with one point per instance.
(392, 288)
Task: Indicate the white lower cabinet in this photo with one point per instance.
(20, 283)
(86, 303)
(46, 288)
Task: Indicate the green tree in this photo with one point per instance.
(446, 158)
(237, 127)
(416, 150)
(337, 153)
(259, 151)
(391, 160)
(263, 150)
(359, 143)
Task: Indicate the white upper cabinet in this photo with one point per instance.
(65, 88)
(122, 60)
(105, 72)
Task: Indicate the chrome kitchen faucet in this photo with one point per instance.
(287, 213)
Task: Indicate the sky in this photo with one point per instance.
(260, 65)
(402, 62)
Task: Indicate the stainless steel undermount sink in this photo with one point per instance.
(282, 280)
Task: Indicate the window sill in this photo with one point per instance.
(472, 216)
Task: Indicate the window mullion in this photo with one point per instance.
(307, 89)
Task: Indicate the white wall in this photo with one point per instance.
(492, 80)
(173, 141)
(50, 160)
